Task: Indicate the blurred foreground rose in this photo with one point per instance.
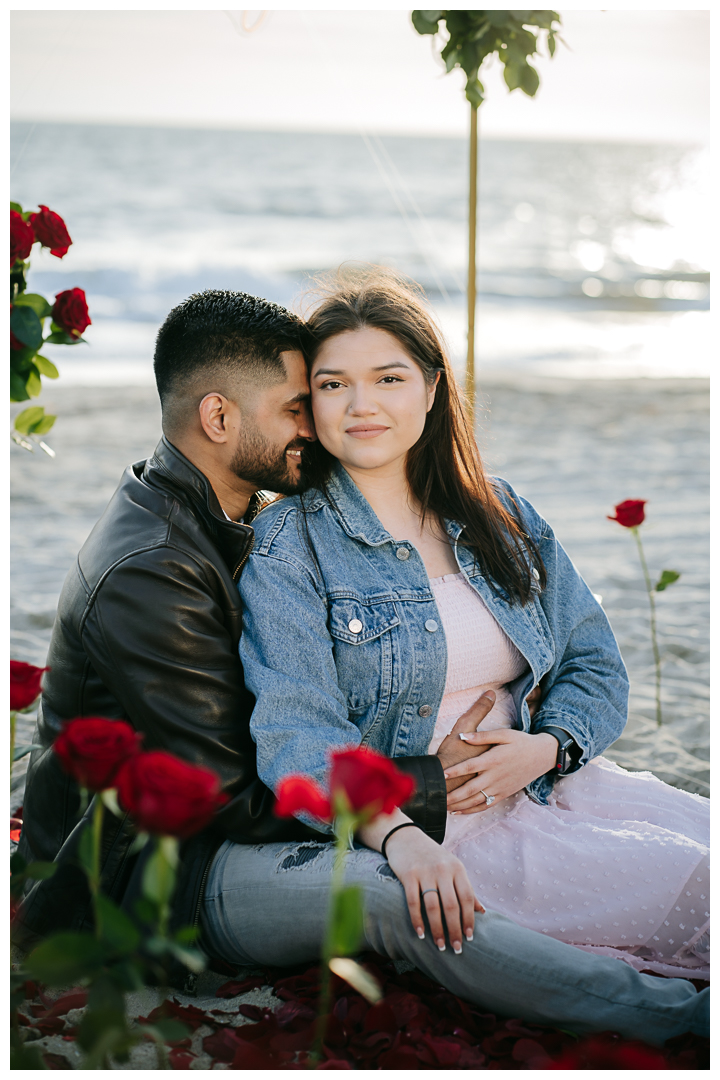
(630, 513)
(70, 311)
(24, 684)
(167, 796)
(372, 783)
(22, 238)
(297, 793)
(92, 749)
(51, 231)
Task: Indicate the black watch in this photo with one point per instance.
(563, 762)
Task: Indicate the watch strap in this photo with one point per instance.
(563, 762)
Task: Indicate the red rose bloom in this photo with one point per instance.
(167, 796)
(51, 231)
(297, 793)
(70, 311)
(371, 782)
(92, 750)
(22, 238)
(24, 684)
(630, 513)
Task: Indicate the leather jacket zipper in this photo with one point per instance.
(238, 568)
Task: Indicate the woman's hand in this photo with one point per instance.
(511, 760)
(432, 875)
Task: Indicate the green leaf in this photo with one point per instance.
(33, 385)
(551, 43)
(187, 935)
(24, 1057)
(26, 326)
(158, 878)
(666, 578)
(26, 420)
(21, 751)
(40, 871)
(347, 922)
(116, 928)
(109, 799)
(35, 301)
(360, 979)
(426, 22)
(17, 207)
(17, 387)
(475, 92)
(61, 337)
(511, 74)
(46, 367)
(65, 958)
(529, 80)
(43, 426)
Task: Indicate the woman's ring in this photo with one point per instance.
(429, 890)
(489, 799)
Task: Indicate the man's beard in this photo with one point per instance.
(266, 466)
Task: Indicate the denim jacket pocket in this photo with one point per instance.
(363, 648)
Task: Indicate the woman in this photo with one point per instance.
(404, 587)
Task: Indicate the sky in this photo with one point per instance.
(625, 75)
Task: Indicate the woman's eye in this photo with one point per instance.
(391, 379)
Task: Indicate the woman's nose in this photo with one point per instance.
(361, 402)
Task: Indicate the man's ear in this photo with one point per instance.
(212, 411)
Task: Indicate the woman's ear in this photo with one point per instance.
(431, 390)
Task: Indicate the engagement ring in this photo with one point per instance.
(489, 799)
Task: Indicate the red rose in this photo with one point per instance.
(630, 513)
(371, 782)
(24, 684)
(301, 793)
(70, 311)
(22, 237)
(51, 231)
(609, 1051)
(167, 796)
(92, 750)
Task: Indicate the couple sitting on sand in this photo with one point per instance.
(396, 598)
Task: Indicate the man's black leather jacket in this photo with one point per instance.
(147, 631)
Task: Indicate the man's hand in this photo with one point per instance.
(453, 750)
(512, 760)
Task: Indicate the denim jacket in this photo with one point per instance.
(343, 643)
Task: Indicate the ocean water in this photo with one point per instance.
(593, 258)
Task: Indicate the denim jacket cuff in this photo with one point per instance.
(427, 806)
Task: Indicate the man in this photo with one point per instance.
(147, 630)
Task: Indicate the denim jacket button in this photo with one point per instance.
(403, 553)
(354, 626)
(431, 626)
(424, 710)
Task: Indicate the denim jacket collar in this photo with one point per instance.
(356, 515)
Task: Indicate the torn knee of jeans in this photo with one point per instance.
(385, 873)
(302, 855)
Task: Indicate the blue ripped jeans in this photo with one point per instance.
(266, 904)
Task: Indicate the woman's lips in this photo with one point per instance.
(365, 431)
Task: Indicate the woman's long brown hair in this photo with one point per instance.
(444, 469)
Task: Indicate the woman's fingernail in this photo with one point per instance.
(489, 693)
(457, 946)
(463, 736)
(469, 934)
(420, 932)
(440, 944)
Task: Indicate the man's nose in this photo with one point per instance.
(306, 424)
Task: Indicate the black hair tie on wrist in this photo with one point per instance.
(405, 825)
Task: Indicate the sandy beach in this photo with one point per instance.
(573, 447)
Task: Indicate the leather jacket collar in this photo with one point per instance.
(172, 472)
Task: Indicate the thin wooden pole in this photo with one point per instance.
(471, 282)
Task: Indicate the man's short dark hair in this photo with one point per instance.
(220, 336)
